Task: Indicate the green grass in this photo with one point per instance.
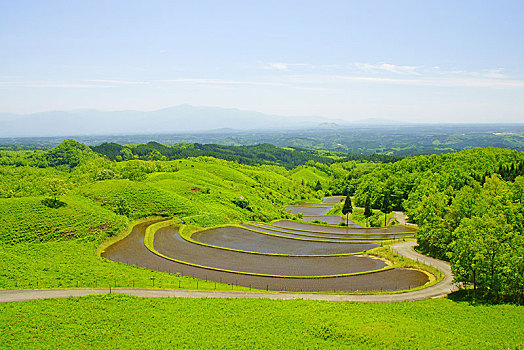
(141, 198)
(203, 191)
(58, 247)
(310, 176)
(125, 322)
(25, 180)
(73, 263)
(28, 220)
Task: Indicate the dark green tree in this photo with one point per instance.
(347, 208)
(318, 186)
(367, 209)
(386, 208)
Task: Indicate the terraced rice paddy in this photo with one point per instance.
(299, 226)
(255, 241)
(329, 219)
(338, 236)
(308, 210)
(285, 255)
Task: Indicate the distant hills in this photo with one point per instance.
(183, 118)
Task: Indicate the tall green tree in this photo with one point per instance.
(347, 208)
(481, 253)
(367, 209)
(386, 207)
(56, 187)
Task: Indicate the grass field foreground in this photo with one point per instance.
(104, 322)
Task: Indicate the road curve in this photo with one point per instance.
(440, 289)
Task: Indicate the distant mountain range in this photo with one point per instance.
(177, 119)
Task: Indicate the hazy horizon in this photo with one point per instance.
(406, 61)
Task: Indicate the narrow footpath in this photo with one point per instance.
(444, 287)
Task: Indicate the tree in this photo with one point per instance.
(69, 154)
(482, 254)
(347, 208)
(56, 187)
(318, 186)
(367, 209)
(386, 207)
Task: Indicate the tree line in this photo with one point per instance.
(469, 207)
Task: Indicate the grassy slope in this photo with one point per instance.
(117, 321)
(57, 247)
(310, 176)
(28, 220)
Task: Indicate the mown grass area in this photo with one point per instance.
(105, 322)
(73, 263)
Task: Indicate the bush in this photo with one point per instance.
(242, 203)
(52, 203)
(106, 174)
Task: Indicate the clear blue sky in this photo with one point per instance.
(448, 61)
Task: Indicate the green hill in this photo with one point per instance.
(56, 246)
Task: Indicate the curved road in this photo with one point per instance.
(440, 289)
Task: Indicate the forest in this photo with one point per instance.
(469, 207)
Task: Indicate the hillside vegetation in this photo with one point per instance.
(469, 207)
(54, 242)
(251, 155)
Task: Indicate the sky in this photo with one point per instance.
(413, 61)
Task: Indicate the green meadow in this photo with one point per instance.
(125, 322)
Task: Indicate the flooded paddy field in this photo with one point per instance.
(242, 239)
(169, 243)
(131, 250)
(350, 235)
(329, 219)
(333, 200)
(303, 236)
(330, 229)
(308, 210)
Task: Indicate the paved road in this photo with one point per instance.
(440, 289)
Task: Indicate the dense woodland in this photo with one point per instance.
(468, 205)
(251, 155)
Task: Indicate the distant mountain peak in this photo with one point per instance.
(176, 119)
